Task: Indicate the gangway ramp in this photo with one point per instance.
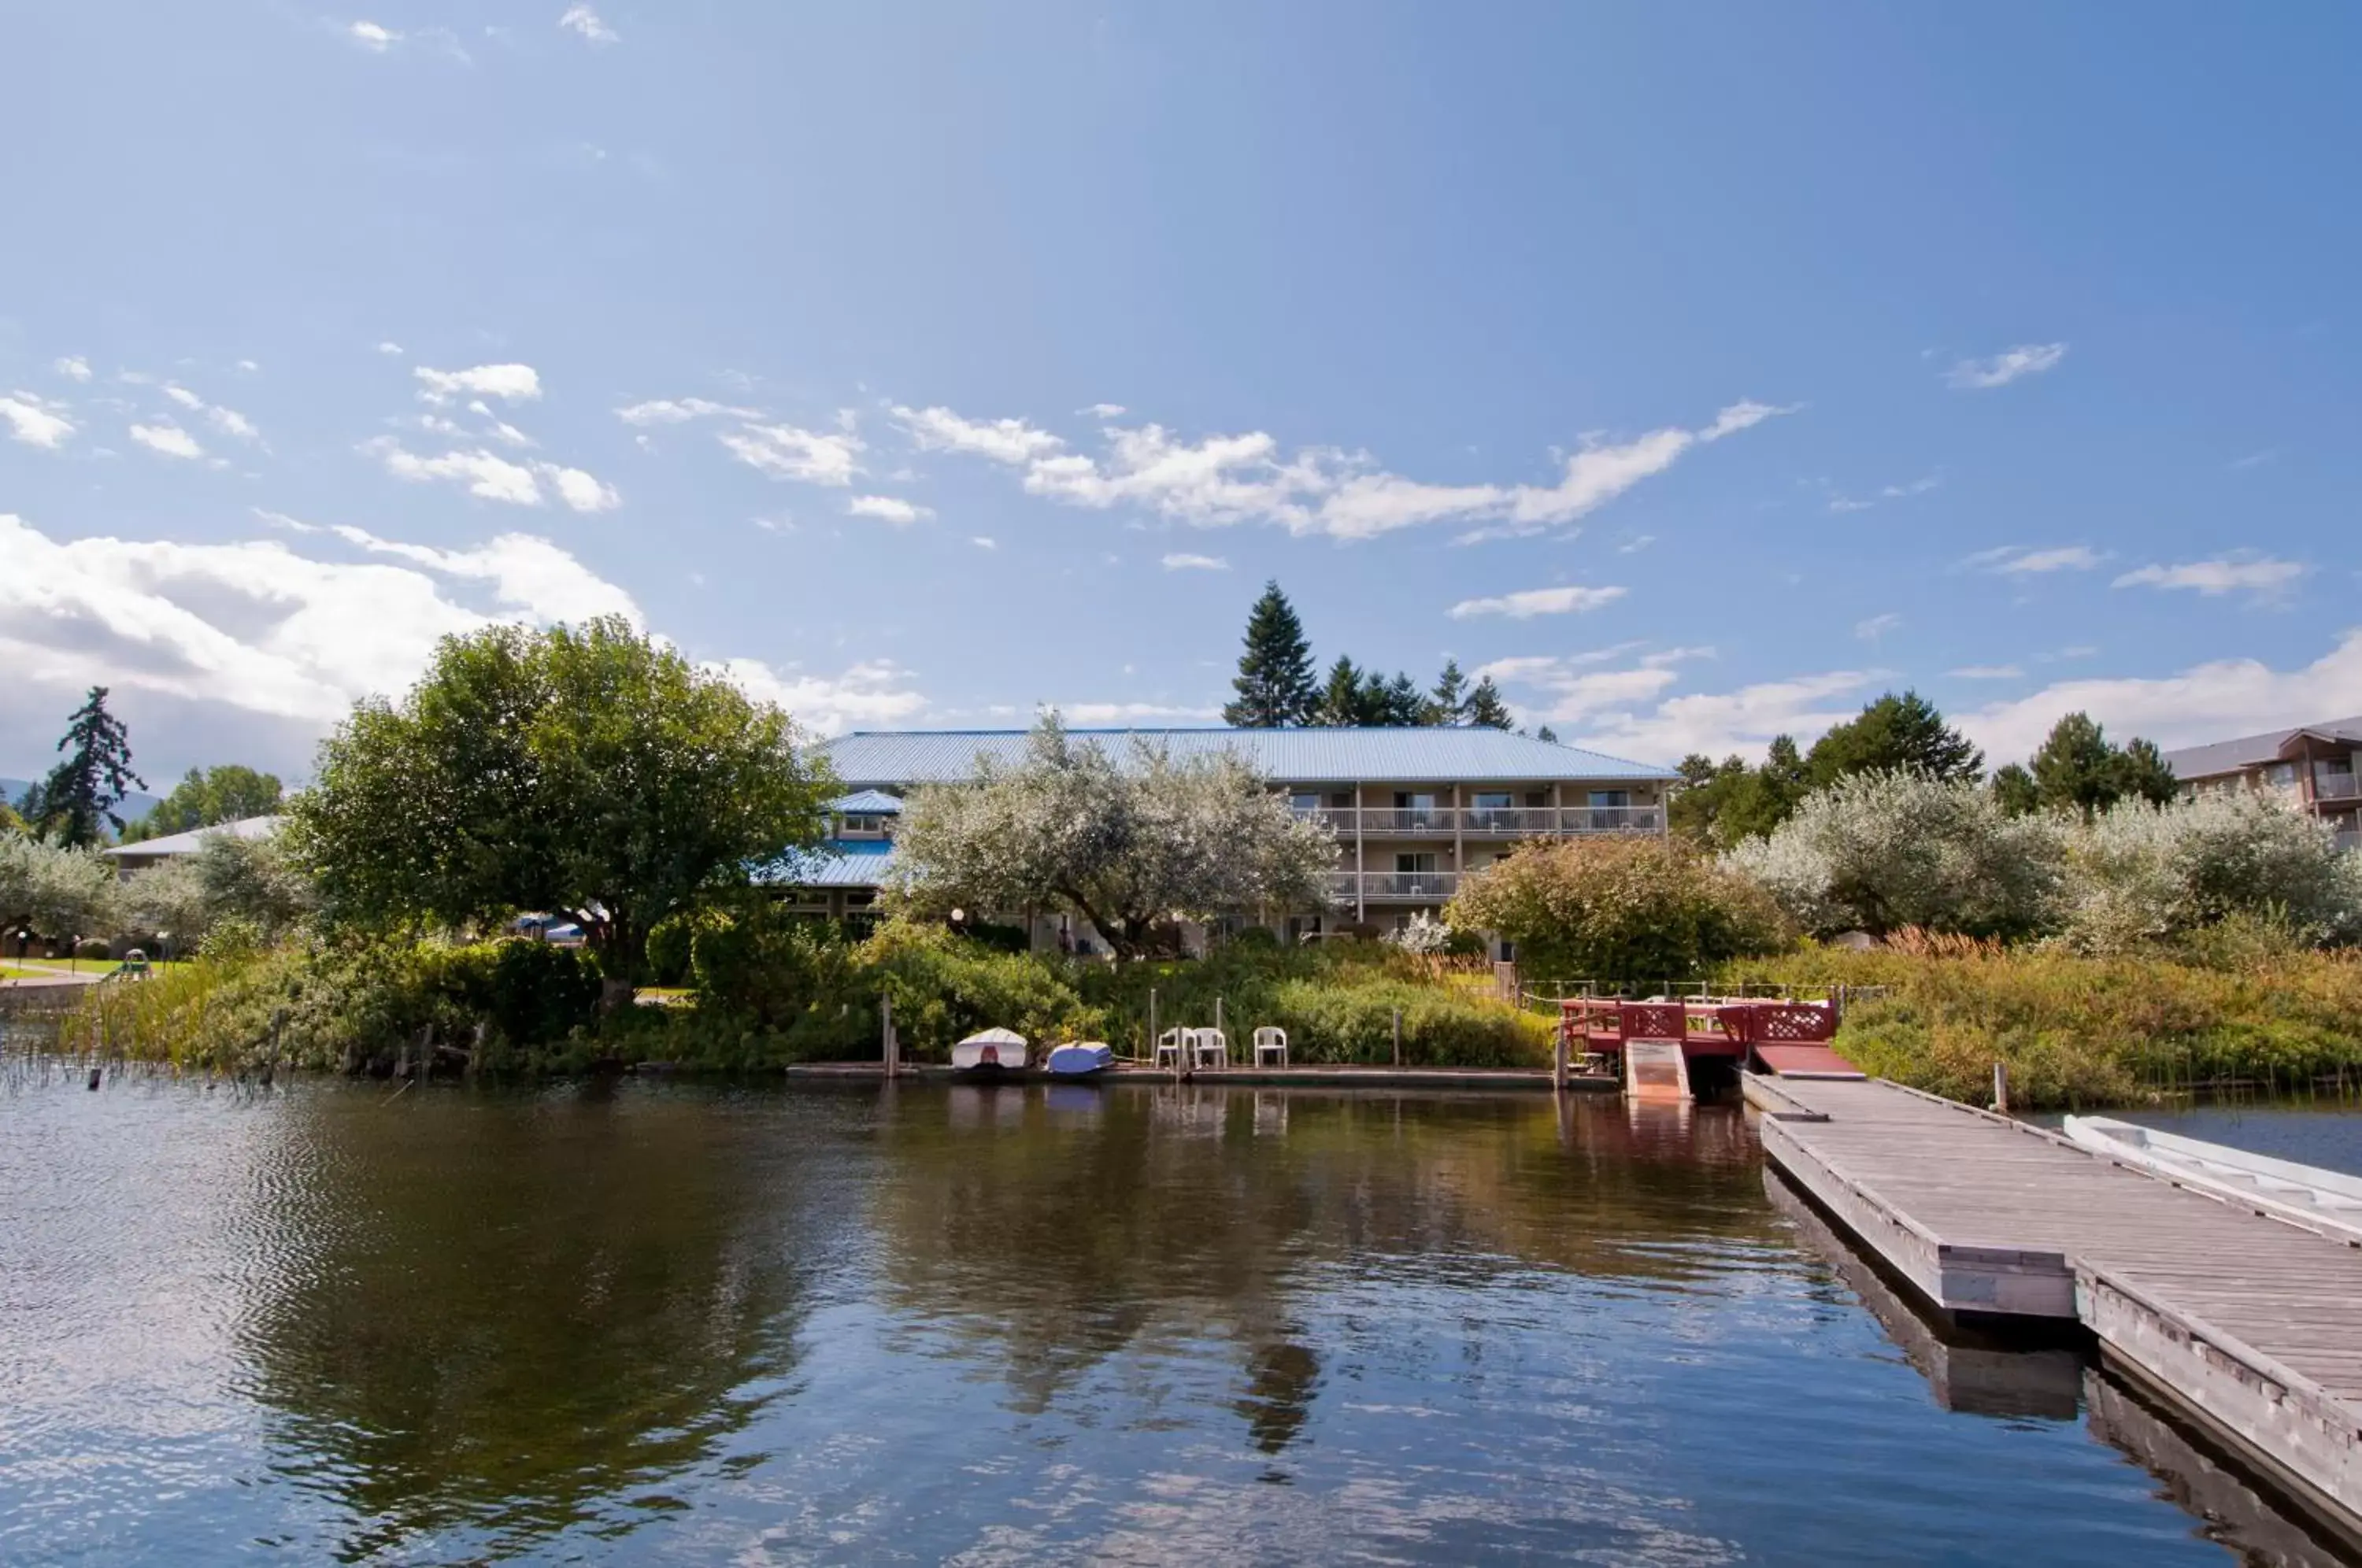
(1656, 1069)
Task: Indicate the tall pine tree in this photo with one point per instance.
(1340, 705)
(77, 801)
(1485, 710)
(1449, 702)
(1275, 683)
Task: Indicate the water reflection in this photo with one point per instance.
(639, 1323)
(517, 1321)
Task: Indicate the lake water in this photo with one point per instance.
(633, 1322)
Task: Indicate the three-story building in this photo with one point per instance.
(1413, 810)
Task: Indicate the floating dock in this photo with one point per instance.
(2247, 1323)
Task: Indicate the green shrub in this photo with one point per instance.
(2078, 1031)
(1617, 908)
(672, 943)
(93, 948)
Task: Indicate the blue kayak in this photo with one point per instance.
(1079, 1061)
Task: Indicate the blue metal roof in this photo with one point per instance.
(1438, 756)
(868, 802)
(840, 863)
(195, 839)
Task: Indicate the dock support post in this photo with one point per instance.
(2000, 1088)
(889, 1045)
(1397, 1037)
(1558, 1060)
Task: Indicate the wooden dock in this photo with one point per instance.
(1306, 1076)
(2247, 1323)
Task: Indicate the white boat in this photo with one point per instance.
(989, 1050)
(2327, 1201)
(1079, 1060)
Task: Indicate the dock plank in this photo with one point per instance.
(2251, 1323)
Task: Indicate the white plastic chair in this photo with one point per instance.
(1271, 1041)
(1169, 1047)
(1210, 1044)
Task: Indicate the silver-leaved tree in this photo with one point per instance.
(1130, 843)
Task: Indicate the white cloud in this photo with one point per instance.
(2243, 571)
(784, 451)
(528, 575)
(1877, 626)
(1002, 440)
(679, 411)
(36, 421)
(1182, 561)
(583, 20)
(484, 474)
(1223, 480)
(73, 366)
(2025, 360)
(983, 541)
(1573, 687)
(2205, 703)
(510, 383)
(874, 693)
(579, 491)
(1529, 603)
(248, 366)
(1720, 724)
(1986, 673)
(1885, 493)
(388, 348)
(1102, 411)
(372, 37)
(888, 509)
(1112, 715)
(228, 421)
(2012, 560)
(167, 438)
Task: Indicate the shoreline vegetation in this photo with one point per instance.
(2106, 941)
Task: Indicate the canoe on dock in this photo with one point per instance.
(2307, 1194)
(1082, 1059)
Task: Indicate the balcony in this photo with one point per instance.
(1497, 822)
(1393, 887)
(2328, 786)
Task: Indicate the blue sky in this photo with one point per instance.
(1700, 370)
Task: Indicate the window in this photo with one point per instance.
(2281, 774)
(1611, 797)
(1494, 799)
(863, 824)
(1536, 798)
(1341, 798)
(1304, 800)
(1412, 864)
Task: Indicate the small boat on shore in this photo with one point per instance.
(1082, 1059)
(2325, 1200)
(991, 1051)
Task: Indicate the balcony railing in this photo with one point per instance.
(1483, 822)
(2337, 786)
(1397, 886)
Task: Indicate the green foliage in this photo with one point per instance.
(1335, 999)
(1890, 734)
(56, 891)
(673, 944)
(2087, 1031)
(1617, 908)
(206, 796)
(2142, 873)
(1275, 682)
(1878, 852)
(1723, 805)
(2077, 769)
(74, 806)
(584, 769)
(1448, 704)
(2016, 791)
(247, 880)
(1126, 847)
(345, 1005)
(1486, 710)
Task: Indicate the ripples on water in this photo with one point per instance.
(634, 1323)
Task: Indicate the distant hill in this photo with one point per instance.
(134, 805)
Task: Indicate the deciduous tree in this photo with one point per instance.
(1618, 908)
(205, 797)
(581, 769)
(1130, 846)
